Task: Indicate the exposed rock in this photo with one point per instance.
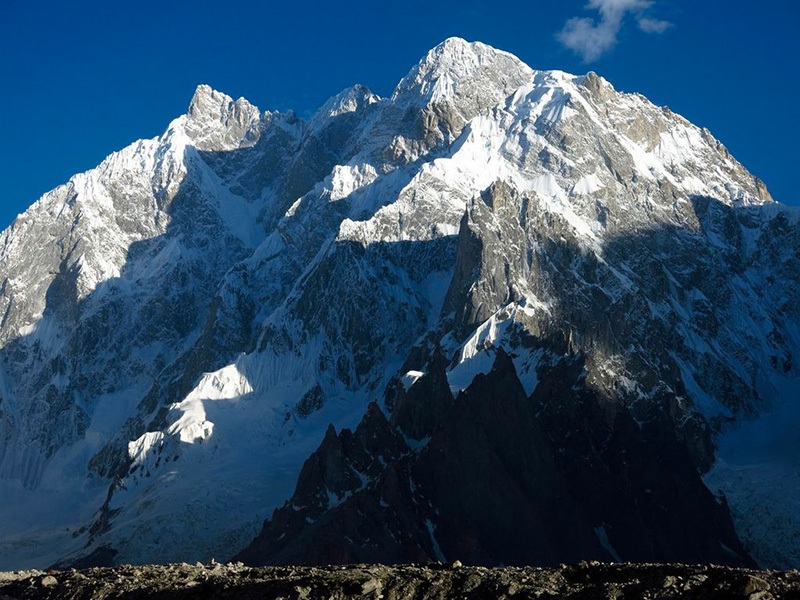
(495, 477)
(755, 584)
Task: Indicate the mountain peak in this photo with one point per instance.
(348, 100)
(456, 48)
(471, 75)
(450, 63)
(216, 122)
(207, 101)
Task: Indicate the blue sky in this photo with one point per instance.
(85, 78)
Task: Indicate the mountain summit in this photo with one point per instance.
(503, 316)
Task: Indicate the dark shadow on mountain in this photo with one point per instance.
(562, 476)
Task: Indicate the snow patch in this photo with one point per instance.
(587, 185)
(410, 378)
(477, 354)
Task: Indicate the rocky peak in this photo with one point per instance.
(216, 122)
(597, 86)
(452, 61)
(419, 410)
(486, 275)
(348, 100)
(472, 76)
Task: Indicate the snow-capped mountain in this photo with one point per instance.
(182, 324)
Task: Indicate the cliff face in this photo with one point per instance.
(496, 477)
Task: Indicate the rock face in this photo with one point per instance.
(555, 293)
(495, 477)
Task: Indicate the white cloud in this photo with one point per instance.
(617, 8)
(591, 38)
(591, 41)
(653, 25)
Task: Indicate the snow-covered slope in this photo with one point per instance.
(181, 324)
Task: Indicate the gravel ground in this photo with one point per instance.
(433, 581)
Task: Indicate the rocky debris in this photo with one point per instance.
(48, 581)
(429, 582)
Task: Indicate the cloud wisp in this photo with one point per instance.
(591, 38)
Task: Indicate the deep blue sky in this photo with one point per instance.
(85, 78)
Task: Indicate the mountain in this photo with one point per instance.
(571, 316)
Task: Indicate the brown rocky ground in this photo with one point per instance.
(433, 581)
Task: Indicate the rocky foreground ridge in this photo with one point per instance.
(432, 581)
